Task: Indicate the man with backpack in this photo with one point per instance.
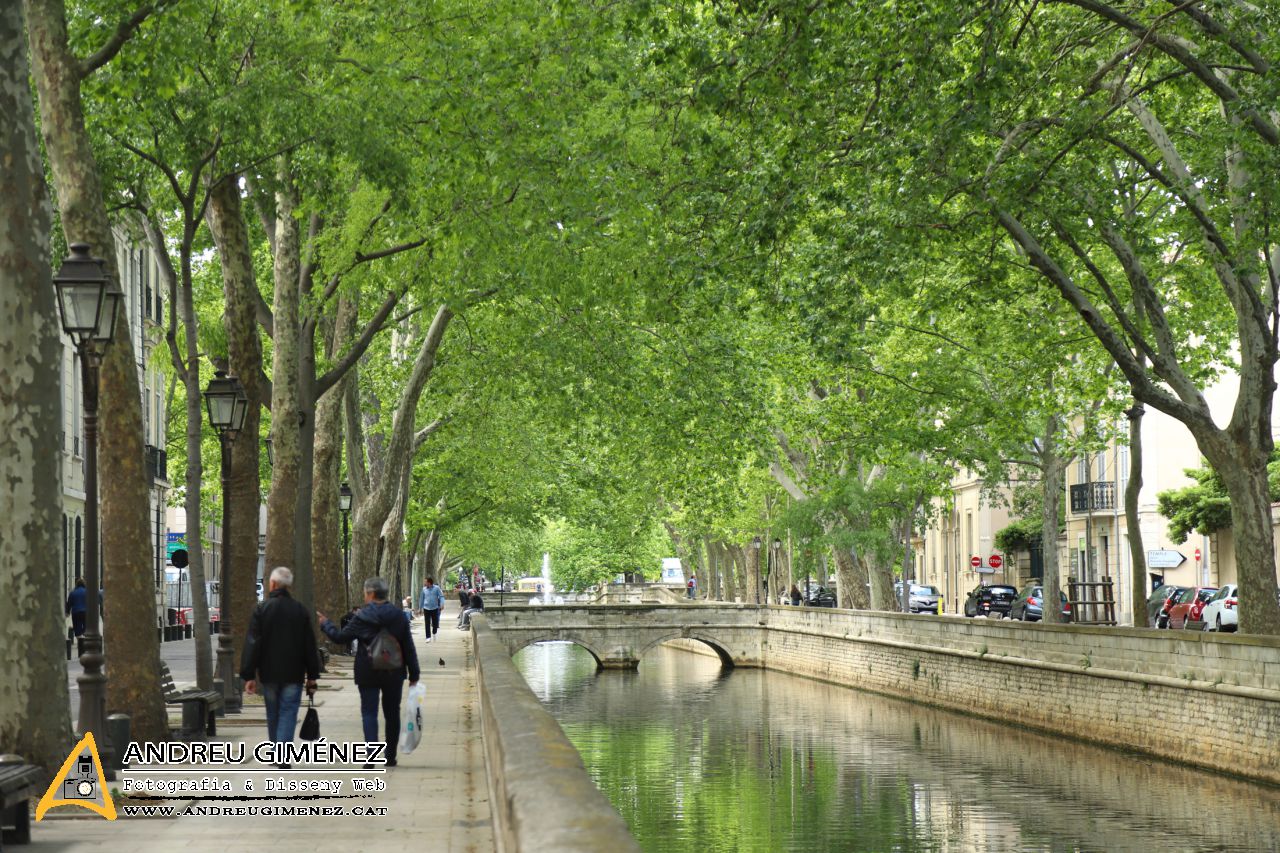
(385, 656)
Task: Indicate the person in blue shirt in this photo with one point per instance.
(78, 606)
(431, 601)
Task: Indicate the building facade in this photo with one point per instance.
(963, 526)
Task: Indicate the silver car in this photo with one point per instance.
(924, 598)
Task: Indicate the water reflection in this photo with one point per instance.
(700, 759)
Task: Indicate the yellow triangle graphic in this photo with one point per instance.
(83, 786)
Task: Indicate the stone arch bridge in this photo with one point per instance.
(618, 635)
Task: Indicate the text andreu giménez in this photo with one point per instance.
(268, 752)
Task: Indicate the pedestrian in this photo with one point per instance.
(78, 607)
(795, 595)
(476, 606)
(692, 586)
(432, 602)
(378, 615)
(279, 652)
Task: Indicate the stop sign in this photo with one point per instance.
(995, 561)
(975, 561)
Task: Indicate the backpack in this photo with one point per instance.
(385, 652)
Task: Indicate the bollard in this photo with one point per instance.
(118, 729)
(186, 632)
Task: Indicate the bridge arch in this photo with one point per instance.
(726, 659)
(556, 636)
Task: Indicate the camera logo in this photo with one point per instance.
(79, 782)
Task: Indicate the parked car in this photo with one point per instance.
(989, 599)
(1185, 612)
(1029, 605)
(1222, 612)
(1158, 604)
(924, 598)
(821, 597)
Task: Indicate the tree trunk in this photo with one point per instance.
(880, 573)
(1052, 468)
(851, 578)
(1137, 555)
(244, 360)
(1253, 535)
(286, 438)
(371, 513)
(188, 370)
(751, 555)
(34, 718)
(326, 521)
(134, 660)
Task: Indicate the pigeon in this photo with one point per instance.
(442, 661)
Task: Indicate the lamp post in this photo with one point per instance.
(227, 404)
(774, 555)
(88, 303)
(344, 504)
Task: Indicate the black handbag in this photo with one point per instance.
(310, 723)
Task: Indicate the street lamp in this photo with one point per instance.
(227, 404)
(88, 305)
(344, 504)
(774, 555)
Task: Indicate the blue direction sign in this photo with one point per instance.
(174, 542)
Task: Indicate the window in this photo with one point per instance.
(1100, 470)
(1122, 462)
(1082, 469)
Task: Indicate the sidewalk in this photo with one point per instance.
(437, 798)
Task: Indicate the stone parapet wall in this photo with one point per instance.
(543, 798)
(1213, 700)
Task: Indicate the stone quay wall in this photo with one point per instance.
(1212, 700)
(542, 796)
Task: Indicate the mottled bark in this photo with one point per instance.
(1137, 554)
(851, 580)
(370, 514)
(751, 564)
(244, 360)
(326, 519)
(282, 501)
(34, 718)
(1052, 469)
(130, 612)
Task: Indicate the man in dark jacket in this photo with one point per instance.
(279, 651)
(78, 606)
(376, 615)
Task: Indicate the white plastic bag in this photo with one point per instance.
(411, 718)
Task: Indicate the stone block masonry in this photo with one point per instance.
(1212, 700)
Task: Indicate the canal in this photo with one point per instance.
(700, 760)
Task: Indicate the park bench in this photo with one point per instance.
(18, 783)
(198, 706)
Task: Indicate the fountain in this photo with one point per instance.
(546, 578)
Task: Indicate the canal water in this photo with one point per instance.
(700, 760)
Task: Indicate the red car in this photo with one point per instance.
(1185, 612)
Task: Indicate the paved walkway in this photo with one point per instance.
(436, 799)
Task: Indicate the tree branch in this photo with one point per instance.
(358, 349)
(124, 31)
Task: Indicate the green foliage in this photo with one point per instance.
(1204, 506)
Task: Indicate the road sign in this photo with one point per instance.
(1197, 555)
(1165, 559)
(975, 561)
(995, 561)
(174, 542)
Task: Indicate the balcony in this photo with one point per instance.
(1092, 497)
(157, 464)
